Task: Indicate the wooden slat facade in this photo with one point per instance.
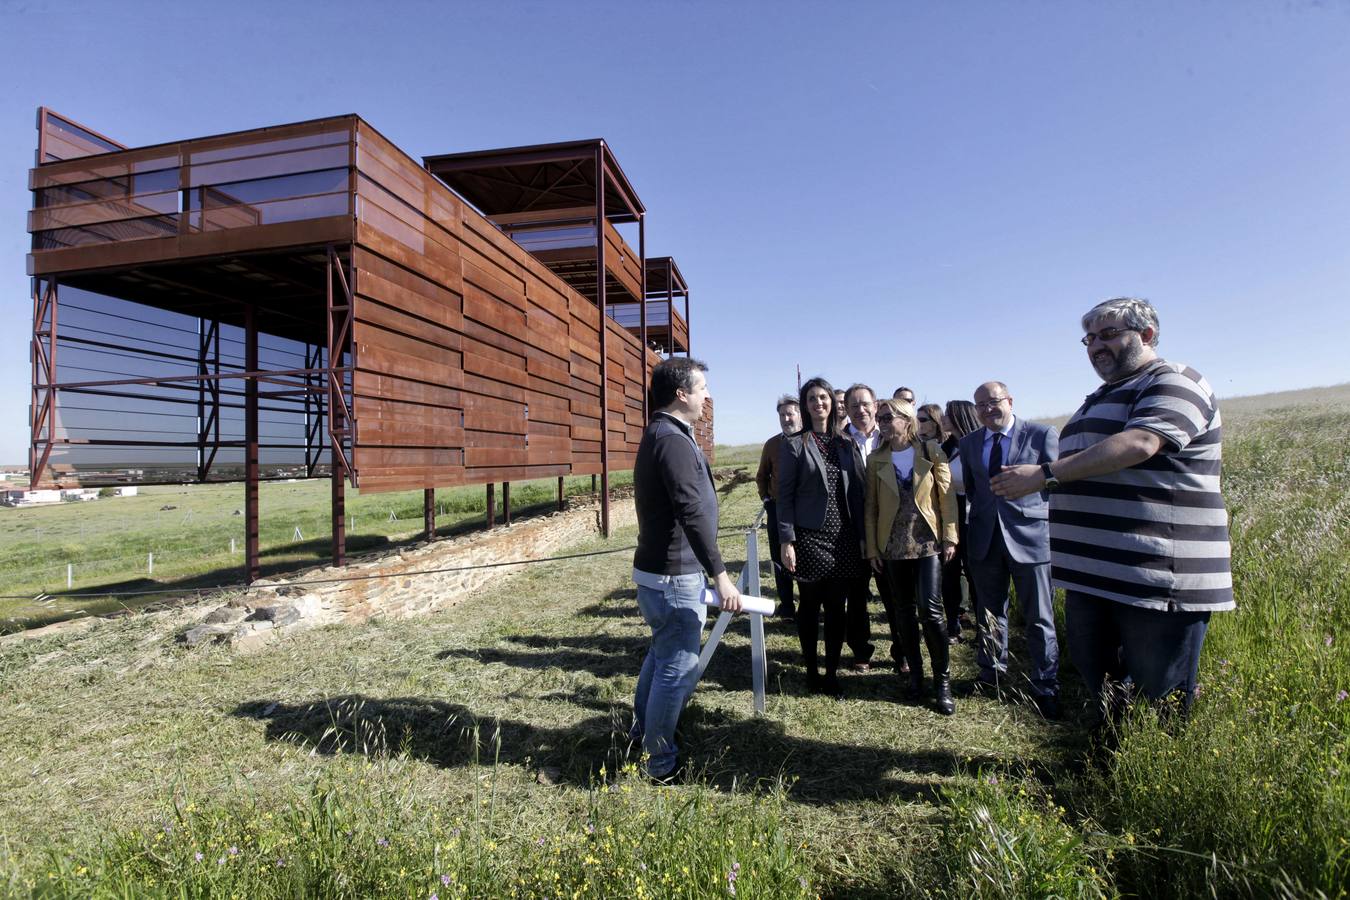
(497, 369)
(472, 361)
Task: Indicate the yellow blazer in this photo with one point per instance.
(882, 500)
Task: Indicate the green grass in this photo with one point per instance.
(189, 528)
(505, 717)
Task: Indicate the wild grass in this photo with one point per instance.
(506, 717)
(190, 530)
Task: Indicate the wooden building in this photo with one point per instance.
(307, 299)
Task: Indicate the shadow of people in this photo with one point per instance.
(444, 734)
(726, 752)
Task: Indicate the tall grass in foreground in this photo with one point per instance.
(1252, 796)
(336, 844)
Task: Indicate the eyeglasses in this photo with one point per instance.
(991, 403)
(924, 420)
(886, 418)
(1106, 334)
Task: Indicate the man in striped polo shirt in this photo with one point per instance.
(1138, 528)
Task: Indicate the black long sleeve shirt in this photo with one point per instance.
(676, 502)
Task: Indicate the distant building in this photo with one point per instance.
(12, 495)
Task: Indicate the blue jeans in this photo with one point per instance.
(675, 614)
(1158, 650)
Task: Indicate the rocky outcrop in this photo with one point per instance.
(411, 582)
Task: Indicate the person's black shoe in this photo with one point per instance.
(1048, 705)
(787, 613)
(673, 777)
(913, 686)
(830, 686)
(942, 688)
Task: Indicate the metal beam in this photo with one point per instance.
(251, 550)
(604, 330)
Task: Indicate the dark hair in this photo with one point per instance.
(816, 382)
(786, 400)
(962, 416)
(671, 375)
(895, 392)
(934, 412)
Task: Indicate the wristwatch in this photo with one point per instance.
(1051, 482)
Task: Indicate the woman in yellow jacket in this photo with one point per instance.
(909, 518)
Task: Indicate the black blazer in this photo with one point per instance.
(802, 493)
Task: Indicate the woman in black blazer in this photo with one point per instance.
(820, 503)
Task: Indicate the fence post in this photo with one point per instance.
(70, 575)
(150, 564)
(232, 546)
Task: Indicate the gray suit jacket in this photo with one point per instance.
(1025, 522)
(801, 485)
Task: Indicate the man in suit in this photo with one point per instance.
(766, 480)
(1010, 540)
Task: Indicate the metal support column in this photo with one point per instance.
(42, 401)
(670, 308)
(251, 554)
(208, 395)
(506, 503)
(642, 314)
(491, 505)
(604, 329)
(341, 426)
(429, 513)
(561, 504)
(688, 329)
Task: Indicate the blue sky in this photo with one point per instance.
(926, 194)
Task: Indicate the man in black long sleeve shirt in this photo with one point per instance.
(677, 543)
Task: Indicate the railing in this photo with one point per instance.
(212, 184)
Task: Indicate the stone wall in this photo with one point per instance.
(400, 584)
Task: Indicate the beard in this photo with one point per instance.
(1114, 365)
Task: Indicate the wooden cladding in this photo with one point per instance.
(474, 362)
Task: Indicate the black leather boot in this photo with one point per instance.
(942, 690)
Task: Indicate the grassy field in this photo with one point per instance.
(107, 544)
(481, 751)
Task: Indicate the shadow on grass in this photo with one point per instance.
(728, 753)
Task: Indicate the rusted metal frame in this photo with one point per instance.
(642, 320)
(629, 198)
(429, 513)
(42, 140)
(461, 162)
(540, 194)
(208, 397)
(670, 309)
(561, 503)
(506, 503)
(341, 423)
(340, 420)
(688, 331)
(251, 549)
(313, 409)
(42, 407)
(491, 495)
(604, 329)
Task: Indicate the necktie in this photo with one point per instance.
(996, 456)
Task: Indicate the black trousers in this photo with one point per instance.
(952, 572)
(859, 624)
(782, 578)
(828, 594)
(916, 588)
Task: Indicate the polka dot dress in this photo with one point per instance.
(832, 551)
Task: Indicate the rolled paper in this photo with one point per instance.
(749, 603)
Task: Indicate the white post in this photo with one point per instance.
(232, 546)
(150, 563)
(70, 575)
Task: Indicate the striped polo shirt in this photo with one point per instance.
(1155, 534)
